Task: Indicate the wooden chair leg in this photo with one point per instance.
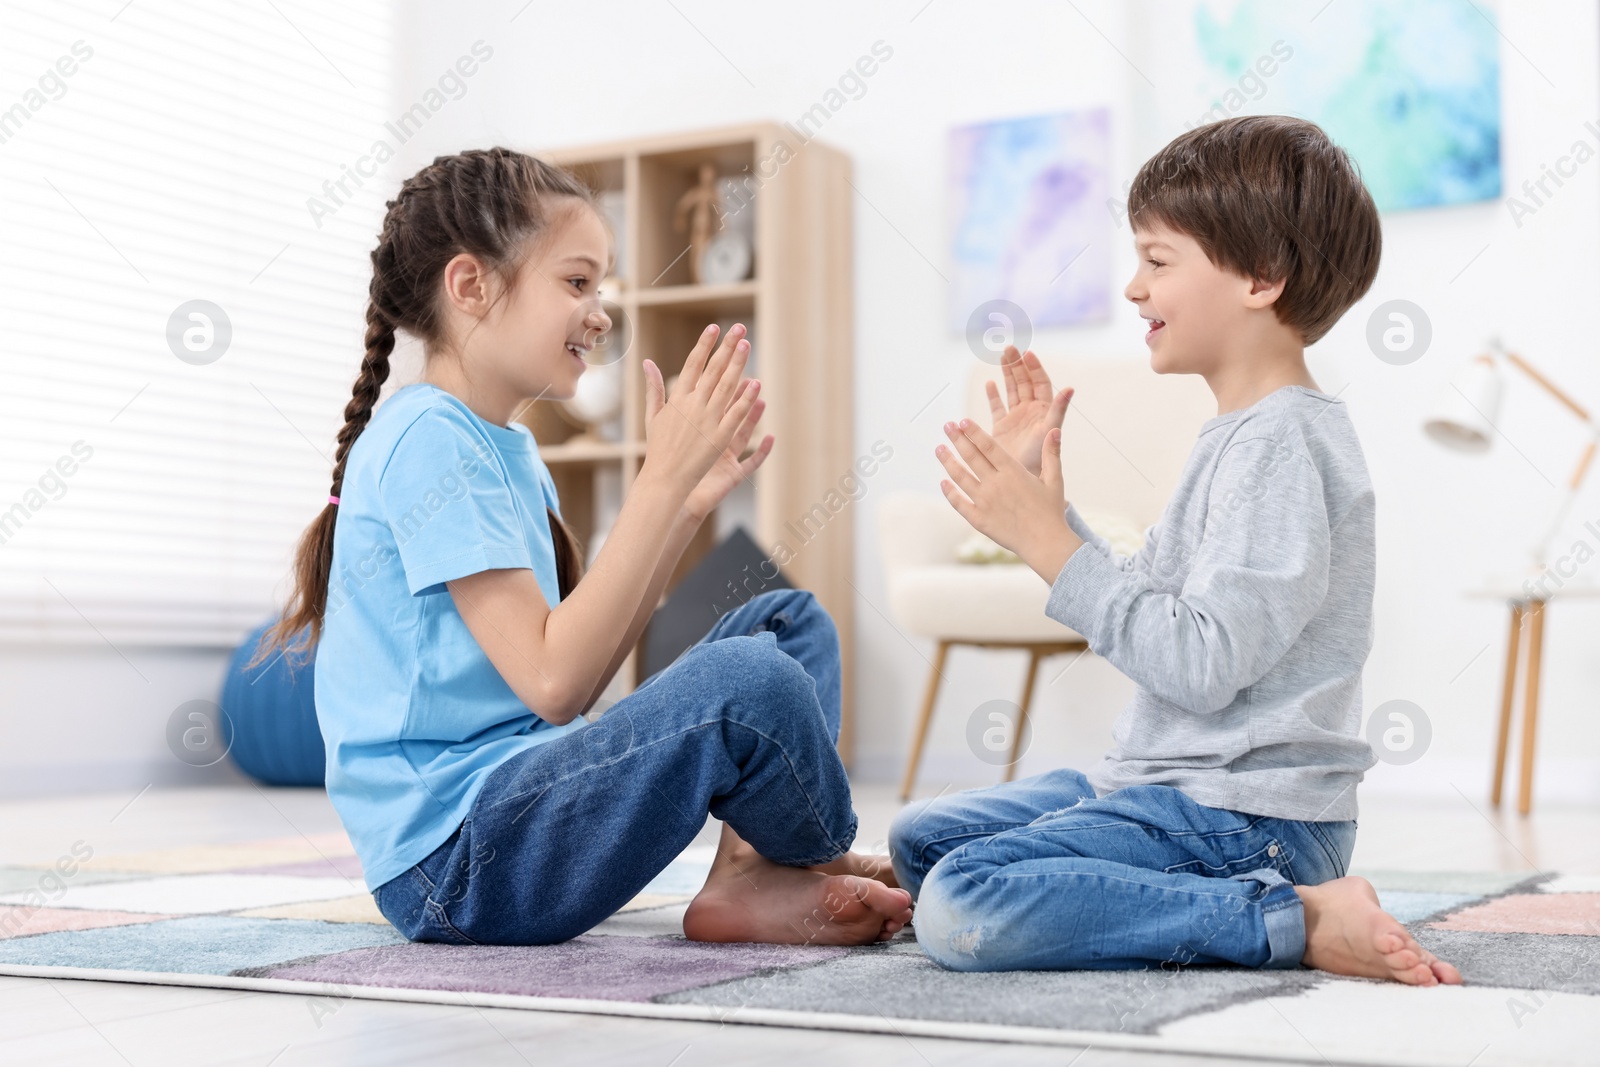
(930, 696)
(1507, 695)
(1034, 655)
(1530, 704)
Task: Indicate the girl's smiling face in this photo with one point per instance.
(1194, 309)
(531, 342)
(553, 317)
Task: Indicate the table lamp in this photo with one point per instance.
(1465, 420)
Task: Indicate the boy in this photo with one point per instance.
(1219, 827)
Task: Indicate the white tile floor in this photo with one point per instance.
(75, 1022)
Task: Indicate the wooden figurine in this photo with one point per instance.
(697, 212)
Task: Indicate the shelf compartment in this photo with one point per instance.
(664, 178)
(667, 332)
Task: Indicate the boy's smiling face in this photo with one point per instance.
(1195, 310)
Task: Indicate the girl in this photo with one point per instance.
(457, 649)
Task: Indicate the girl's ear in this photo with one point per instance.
(466, 285)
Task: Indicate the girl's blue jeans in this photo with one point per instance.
(742, 725)
(1041, 874)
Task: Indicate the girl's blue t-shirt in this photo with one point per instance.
(413, 714)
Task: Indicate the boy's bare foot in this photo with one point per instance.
(749, 898)
(1347, 932)
(863, 865)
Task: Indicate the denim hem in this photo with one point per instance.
(810, 863)
(841, 850)
(1285, 919)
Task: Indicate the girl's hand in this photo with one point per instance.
(728, 470)
(1001, 499)
(1021, 429)
(687, 432)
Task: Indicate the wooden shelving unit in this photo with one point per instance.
(797, 303)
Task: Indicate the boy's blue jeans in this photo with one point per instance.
(742, 725)
(1042, 875)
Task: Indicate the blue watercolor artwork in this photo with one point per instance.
(1029, 222)
(1411, 91)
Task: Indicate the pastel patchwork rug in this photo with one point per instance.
(291, 915)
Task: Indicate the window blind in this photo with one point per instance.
(180, 330)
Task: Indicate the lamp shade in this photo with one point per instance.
(1465, 415)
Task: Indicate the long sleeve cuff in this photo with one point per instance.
(1082, 593)
(1082, 528)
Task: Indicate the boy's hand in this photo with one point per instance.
(1033, 411)
(1004, 501)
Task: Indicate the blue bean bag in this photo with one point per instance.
(269, 720)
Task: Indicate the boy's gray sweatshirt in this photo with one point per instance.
(1245, 617)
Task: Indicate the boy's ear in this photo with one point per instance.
(1264, 293)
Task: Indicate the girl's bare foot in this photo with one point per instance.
(749, 898)
(1347, 932)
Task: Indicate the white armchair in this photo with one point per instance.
(1123, 445)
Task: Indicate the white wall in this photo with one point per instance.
(569, 74)
(84, 718)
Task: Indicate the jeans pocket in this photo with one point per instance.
(1269, 856)
(1337, 840)
(442, 928)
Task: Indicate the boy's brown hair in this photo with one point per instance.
(1269, 197)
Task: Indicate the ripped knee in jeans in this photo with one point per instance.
(945, 931)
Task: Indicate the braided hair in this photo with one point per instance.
(487, 202)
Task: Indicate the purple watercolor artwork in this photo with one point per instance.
(1028, 217)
